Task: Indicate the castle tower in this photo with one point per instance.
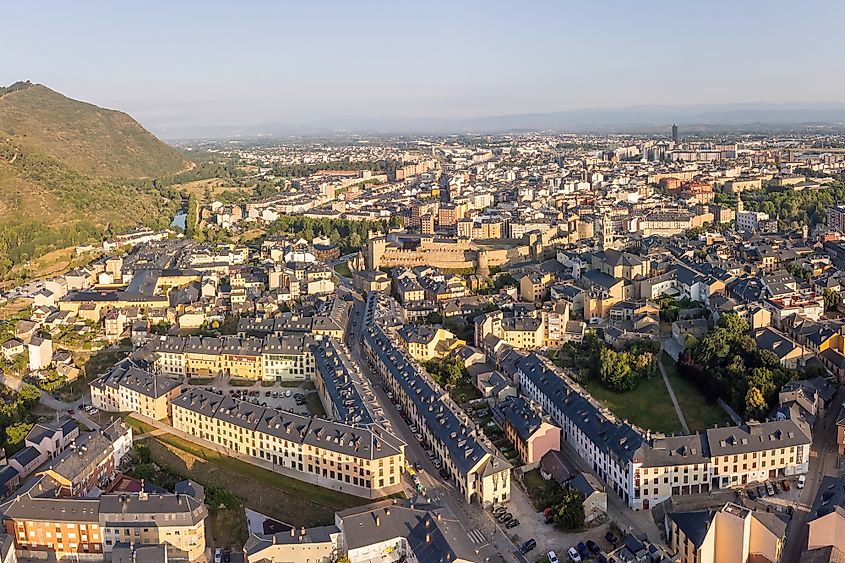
(376, 245)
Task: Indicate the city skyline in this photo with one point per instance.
(331, 66)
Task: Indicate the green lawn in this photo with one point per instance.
(137, 426)
(343, 269)
(200, 380)
(648, 406)
(234, 382)
(699, 411)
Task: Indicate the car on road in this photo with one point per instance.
(528, 546)
(801, 480)
(573, 554)
(611, 538)
(593, 547)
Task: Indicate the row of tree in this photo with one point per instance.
(16, 417)
(728, 364)
(618, 371)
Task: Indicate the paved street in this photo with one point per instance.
(53, 403)
(491, 543)
(823, 461)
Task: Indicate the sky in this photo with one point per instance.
(180, 64)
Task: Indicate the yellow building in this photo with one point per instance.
(155, 519)
(127, 388)
(363, 461)
(733, 534)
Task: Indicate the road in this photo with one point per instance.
(490, 542)
(53, 403)
(823, 457)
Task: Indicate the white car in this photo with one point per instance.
(218, 555)
(801, 480)
(573, 554)
(553, 557)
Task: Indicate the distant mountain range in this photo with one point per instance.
(634, 119)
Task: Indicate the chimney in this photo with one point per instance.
(302, 531)
(292, 534)
(378, 521)
(427, 538)
(387, 511)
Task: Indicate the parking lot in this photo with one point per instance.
(283, 398)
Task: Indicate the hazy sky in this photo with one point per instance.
(175, 63)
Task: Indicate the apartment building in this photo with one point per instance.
(732, 534)
(46, 527)
(174, 520)
(531, 435)
(426, 343)
(62, 527)
(479, 471)
(126, 388)
(364, 460)
(645, 469)
(836, 218)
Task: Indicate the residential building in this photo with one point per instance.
(732, 534)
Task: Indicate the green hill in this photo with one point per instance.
(70, 172)
(91, 140)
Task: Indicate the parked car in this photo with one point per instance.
(513, 523)
(770, 489)
(505, 517)
(752, 494)
(593, 547)
(611, 538)
(436, 463)
(573, 554)
(553, 556)
(786, 485)
(583, 551)
(499, 510)
(776, 487)
(444, 473)
(218, 555)
(288, 393)
(267, 393)
(227, 555)
(801, 480)
(762, 492)
(528, 546)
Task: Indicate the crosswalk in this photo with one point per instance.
(477, 537)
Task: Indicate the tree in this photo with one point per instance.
(755, 403)
(15, 436)
(29, 396)
(569, 514)
(831, 299)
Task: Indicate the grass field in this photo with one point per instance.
(343, 270)
(699, 411)
(137, 426)
(648, 406)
